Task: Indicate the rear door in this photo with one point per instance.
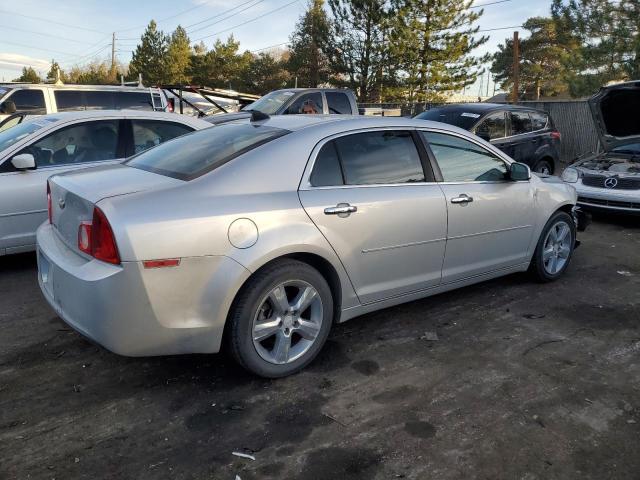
(522, 141)
(490, 217)
(338, 103)
(23, 205)
(372, 196)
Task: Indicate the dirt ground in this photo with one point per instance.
(508, 379)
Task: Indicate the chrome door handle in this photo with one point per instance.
(463, 198)
(343, 209)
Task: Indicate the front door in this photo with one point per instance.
(490, 217)
(369, 196)
(23, 198)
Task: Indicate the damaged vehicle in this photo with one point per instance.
(609, 181)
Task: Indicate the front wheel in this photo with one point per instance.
(543, 166)
(555, 248)
(281, 319)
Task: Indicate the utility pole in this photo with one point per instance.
(113, 55)
(516, 66)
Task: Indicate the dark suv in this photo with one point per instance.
(525, 134)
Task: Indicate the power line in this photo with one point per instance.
(51, 21)
(44, 34)
(270, 46)
(218, 14)
(247, 21)
(35, 48)
(227, 17)
(490, 3)
(167, 18)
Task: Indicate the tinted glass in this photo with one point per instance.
(338, 103)
(29, 101)
(326, 170)
(538, 120)
(149, 133)
(463, 161)
(631, 148)
(98, 100)
(520, 123)
(200, 152)
(67, 100)
(310, 103)
(494, 126)
(379, 157)
(452, 116)
(133, 101)
(78, 143)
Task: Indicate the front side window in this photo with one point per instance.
(149, 133)
(309, 103)
(338, 103)
(492, 127)
(78, 143)
(383, 157)
(520, 123)
(463, 161)
(29, 101)
(197, 153)
(538, 120)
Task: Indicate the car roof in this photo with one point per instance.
(144, 114)
(484, 107)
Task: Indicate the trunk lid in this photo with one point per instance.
(74, 194)
(614, 109)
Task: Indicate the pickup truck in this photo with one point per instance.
(296, 101)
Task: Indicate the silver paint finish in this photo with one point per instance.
(402, 242)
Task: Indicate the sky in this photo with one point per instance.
(76, 31)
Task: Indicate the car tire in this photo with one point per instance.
(543, 166)
(554, 249)
(261, 310)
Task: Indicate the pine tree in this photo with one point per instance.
(542, 60)
(222, 66)
(308, 44)
(178, 56)
(263, 74)
(149, 57)
(358, 45)
(432, 42)
(29, 75)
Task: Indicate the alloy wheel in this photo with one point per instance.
(557, 247)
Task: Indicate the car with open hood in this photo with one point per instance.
(259, 236)
(609, 180)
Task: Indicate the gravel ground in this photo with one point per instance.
(508, 379)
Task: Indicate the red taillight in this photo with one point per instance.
(170, 105)
(96, 238)
(49, 203)
(555, 135)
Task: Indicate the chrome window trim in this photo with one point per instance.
(512, 136)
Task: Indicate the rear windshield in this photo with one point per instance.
(197, 153)
(456, 117)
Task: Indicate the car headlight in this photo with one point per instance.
(570, 175)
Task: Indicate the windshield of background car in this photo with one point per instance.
(4, 91)
(271, 102)
(197, 153)
(456, 117)
(13, 135)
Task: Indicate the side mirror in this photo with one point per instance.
(8, 107)
(519, 172)
(24, 161)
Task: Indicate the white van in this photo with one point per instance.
(42, 99)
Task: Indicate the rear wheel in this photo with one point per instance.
(544, 166)
(281, 319)
(555, 248)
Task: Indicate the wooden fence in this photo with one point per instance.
(572, 119)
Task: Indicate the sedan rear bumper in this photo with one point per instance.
(135, 311)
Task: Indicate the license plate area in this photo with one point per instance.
(45, 272)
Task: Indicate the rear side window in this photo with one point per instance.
(149, 133)
(326, 170)
(379, 158)
(493, 126)
(133, 101)
(538, 120)
(338, 103)
(67, 100)
(29, 101)
(520, 123)
(98, 100)
(190, 156)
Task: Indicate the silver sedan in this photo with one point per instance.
(264, 234)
